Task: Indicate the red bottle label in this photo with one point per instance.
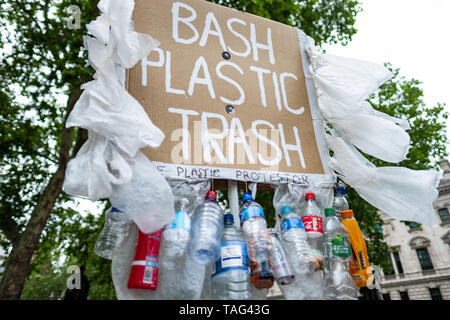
(144, 269)
(312, 224)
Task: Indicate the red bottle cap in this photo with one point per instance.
(310, 195)
(211, 194)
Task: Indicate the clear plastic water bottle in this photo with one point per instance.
(294, 235)
(259, 242)
(281, 266)
(340, 202)
(115, 231)
(338, 281)
(207, 228)
(175, 237)
(312, 217)
(231, 276)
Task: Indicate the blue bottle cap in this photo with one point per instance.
(228, 219)
(286, 210)
(247, 196)
(341, 190)
(115, 210)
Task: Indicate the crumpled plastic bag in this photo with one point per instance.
(191, 189)
(347, 80)
(343, 84)
(293, 195)
(98, 165)
(117, 124)
(402, 193)
(108, 109)
(185, 283)
(147, 197)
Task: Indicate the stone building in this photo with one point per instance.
(420, 255)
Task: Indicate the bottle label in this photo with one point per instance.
(280, 264)
(291, 223)
(182, 221)
(251, 212)
(340, 246)
(312, 224)
(233, 256)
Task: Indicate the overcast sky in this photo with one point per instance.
(414, 35)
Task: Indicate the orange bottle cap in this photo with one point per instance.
(347, 213)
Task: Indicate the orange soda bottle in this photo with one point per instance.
(360, 269)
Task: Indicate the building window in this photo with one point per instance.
(398, 262)
(445, 215)
(386, 296)
(404, 295)
(424, 259)
(435, 294)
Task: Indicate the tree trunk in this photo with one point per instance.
(18, 261)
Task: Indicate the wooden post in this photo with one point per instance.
(233, 199)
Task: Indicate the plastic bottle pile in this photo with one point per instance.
(310, 253)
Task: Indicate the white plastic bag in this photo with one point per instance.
(402, 193)
(147, 197)
(97, 166)
(108, 109)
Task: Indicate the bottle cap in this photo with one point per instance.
(310, 195)
(247, 196)
(211, 194)
(115, 210)
(347, 213)
(329, 212)
(286, 210)
(341, 190)
(228, 219)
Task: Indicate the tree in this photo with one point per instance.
(43, 66)
(41, 58)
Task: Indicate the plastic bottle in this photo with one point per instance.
(312, 217)
(340, 202)
(144, 269)
(207, 228)
(339, 283)
(115, 231)
(175, 237)
(281, 267)
(294, 235)
(231, 276)
(360, 269)
(259, 242)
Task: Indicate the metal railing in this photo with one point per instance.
(416, 275)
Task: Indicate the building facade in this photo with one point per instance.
(420, 254)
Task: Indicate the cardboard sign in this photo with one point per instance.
(228, 90)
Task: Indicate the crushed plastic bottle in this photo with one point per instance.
(207, 228)
(340, 202)
(175, 237)
(114, 233)
(338, 281)
(231, 276)
(281, 266)
(294, 235)
(259, 242)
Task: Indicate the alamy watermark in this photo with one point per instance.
(74, 19)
